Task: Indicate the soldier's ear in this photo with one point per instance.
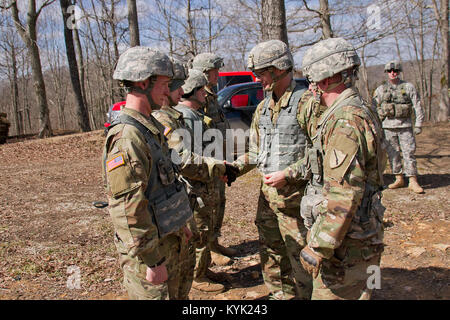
(143, 84)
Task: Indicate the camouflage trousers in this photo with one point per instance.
(282, 236)
(179, 268)
(346, 275)
(401, 140)
(203, 226)
(220, 209)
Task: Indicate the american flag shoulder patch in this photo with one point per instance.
(115, 162)
(167, 130)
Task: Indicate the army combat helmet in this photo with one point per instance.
(272, 53)
(180, 74)
(141, 63)
(195, 81)
(393, 65)
(207, 61)
(329, 57)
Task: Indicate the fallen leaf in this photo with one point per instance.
(415, 251)
(441, 246)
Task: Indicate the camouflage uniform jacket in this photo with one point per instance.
(136, 233)
(412, 95)
(289, 196)
(351, 167)
(213, 111)
(193, 166)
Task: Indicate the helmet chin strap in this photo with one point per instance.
(147, 93)
(276, 78)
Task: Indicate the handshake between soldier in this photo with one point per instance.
(231, 173)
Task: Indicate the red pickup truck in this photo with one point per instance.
(234, 77)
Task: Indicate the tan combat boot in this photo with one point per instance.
(414, 185)
(220, 260)
(207, 285)
(398, 183)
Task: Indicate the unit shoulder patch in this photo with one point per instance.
(337, 158)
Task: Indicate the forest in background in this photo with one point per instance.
(57, 56)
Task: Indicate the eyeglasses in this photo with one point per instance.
(395, 70)
(259, 73)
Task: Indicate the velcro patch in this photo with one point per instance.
(337, 158)
(115, 162)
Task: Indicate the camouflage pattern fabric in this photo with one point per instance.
(205, 208)
(199, 172)
(393, 65)
(346, 241)
(412, 95)
(139, 63)
(346, 278)
(220, 122)
(401, 141)
(278, 218)
(196, 79)
(398, 131)
(207, 61)
(329, 57)
(272, 53)
(136, 234)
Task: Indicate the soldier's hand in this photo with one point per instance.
(276, 179)
(417, 130)
(310, 261)
(157, 275)
(231, 173)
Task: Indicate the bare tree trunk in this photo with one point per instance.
(80, 63)
(15, 92)
(274, 20)
(29, 37)
(190, 30)
(325, 20)
(443, 21)
(133, 23)
(82, 117)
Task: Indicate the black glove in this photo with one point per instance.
(231, 173)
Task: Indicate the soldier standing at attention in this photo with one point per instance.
(148, 205)
(395, 102)
(277, 140)
(209, 64)
(346, 160)
(197, 170)
(192, 101)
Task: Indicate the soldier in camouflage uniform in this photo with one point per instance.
(277, 141)
(209, 64)
(148, 205)
(197, 170)
(395, 102)
(342, 205)
(205, 192)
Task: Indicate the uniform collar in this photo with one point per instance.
(148, 122)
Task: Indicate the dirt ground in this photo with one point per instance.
(50, 233)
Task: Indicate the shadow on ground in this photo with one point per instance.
(418, 284)
(426, 181)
